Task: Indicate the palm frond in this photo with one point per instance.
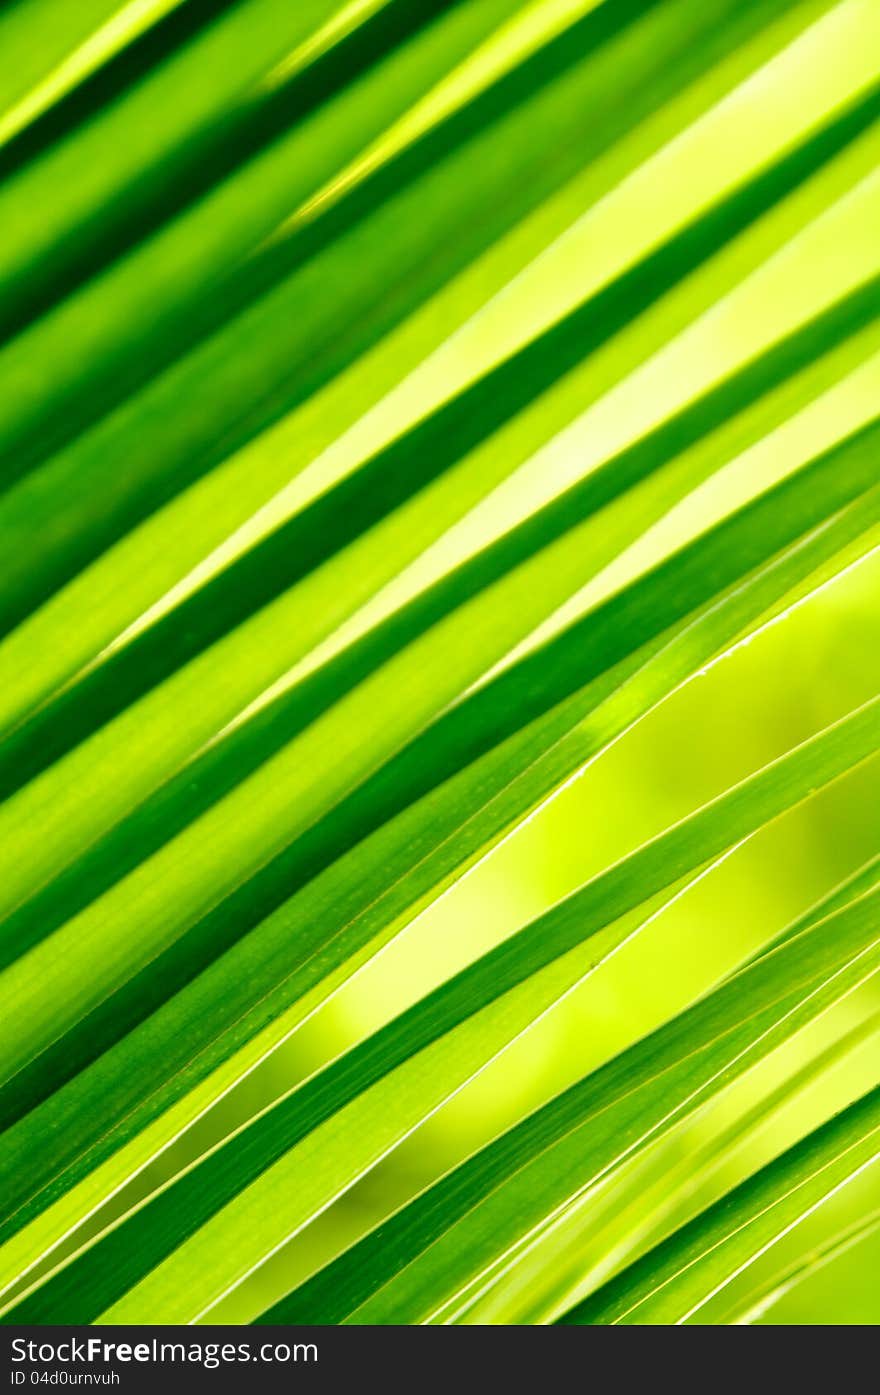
(402, 403)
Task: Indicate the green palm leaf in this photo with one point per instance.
(675, 1284)
(403, 403)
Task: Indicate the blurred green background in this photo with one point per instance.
(792, 679)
